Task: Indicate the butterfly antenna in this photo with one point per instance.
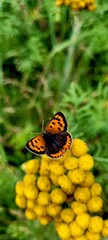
(33, 133)
(43, 125)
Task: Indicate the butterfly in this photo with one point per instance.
(55, 139)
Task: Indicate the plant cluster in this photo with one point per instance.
(64, 191)
(78, 4)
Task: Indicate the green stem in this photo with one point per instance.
(68, 66)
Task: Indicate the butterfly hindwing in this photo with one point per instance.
(57, 124)
(36, 145)
(57, 144)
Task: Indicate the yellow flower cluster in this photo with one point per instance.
(78, 4)
(64, 191)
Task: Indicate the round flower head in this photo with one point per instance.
(44, 183)
(44, 167)
(30, 204)
(105, 228)
(58, 196)
(79, 207)
(82, 194)
(66, 184)
(19, 188)
(79, 148)
(71, 163)
(95, 224)
(30, 215)
(40, 210)
(76, 230)
(95, 189)
(67, 215)
(63, 230)
(43, 198)
(45, 220)
(83, 220)
(29, 179)
(83, 237)
(54, 210)
(31, 191)
(20, 201)
(54, 178)
(77, 176)
(92, 6)
(56, 168)
(88, 180)
(32, 166)
(92, 236)
(95, 204)
(86, 162)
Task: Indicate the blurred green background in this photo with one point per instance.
(51, 59)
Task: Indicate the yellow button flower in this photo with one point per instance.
(30, 204)
(82, 194)
(32, 166)
(79, 148)
(86, 162)
(95, 189)
(54, 210)
(67, 215)
(19, 188)
(44, 167)
(77, 176)
(44, 183)
(59, 2)
(88, 180)
(30, 215)
(54, 178)
(71, 163)
(76, 230)
(43, 198)
(92, 236)
(105, 228)
(95, 224)
(56, 168)
(83, 220)
(78, 207)
(83, 237)
(30, 191)
(95, 204)
(58, 196)
(66, 184)
(20, 201)
(92, 7)
(40, 210)
(63, 231)
(29, 179)
(45, 220)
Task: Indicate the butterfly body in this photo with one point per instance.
(54, 141)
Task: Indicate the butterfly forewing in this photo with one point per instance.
(57, 124)
(36, 145)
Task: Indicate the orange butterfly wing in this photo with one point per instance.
(57, 124)
(36, 145)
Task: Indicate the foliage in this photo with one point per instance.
(51, 59)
